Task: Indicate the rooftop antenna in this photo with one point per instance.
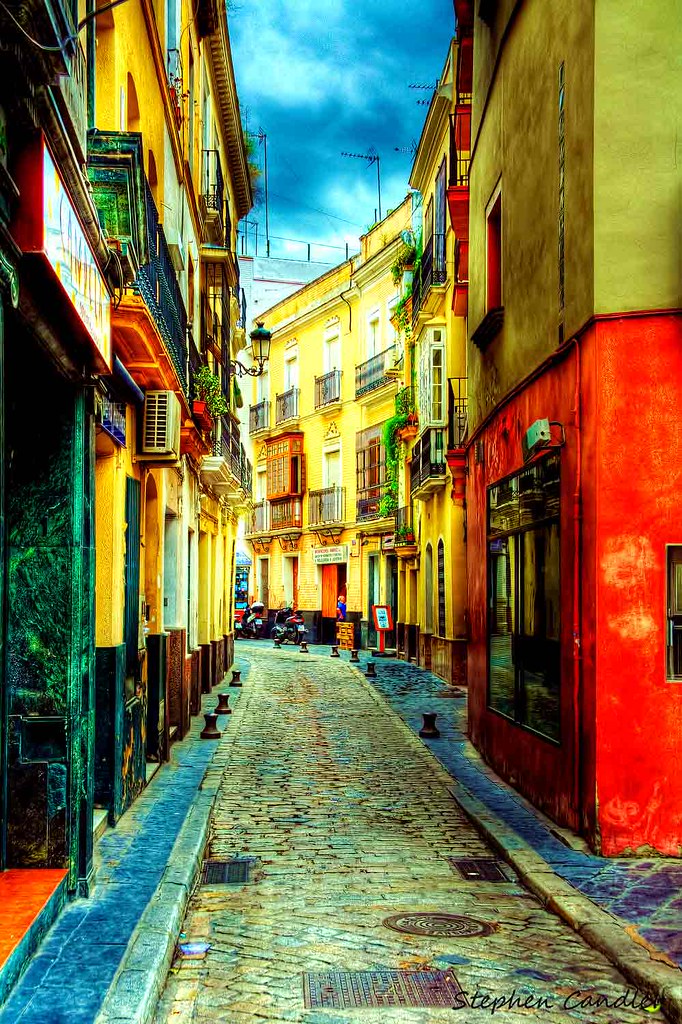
(372, 157)
(411, 149)
(419, 85)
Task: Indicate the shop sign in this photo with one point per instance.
(388, 542)
(70, 256)
(333, 553)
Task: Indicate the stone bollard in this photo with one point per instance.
(222, 707)
(354, 655)
(209, 732)
(335, 651)
(429, 731)
(236, 677)
(303, 647)
(371, 670)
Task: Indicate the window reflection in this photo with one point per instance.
(524, 597)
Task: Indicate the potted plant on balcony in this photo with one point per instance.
(210, 401)
(404, 535)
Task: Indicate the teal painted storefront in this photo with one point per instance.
(48, 612)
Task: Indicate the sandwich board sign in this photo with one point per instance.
(383, 623)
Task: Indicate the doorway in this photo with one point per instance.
(392, 596)
(334, 585)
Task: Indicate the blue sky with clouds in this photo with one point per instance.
(323, 76)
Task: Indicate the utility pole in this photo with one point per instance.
(372, 157)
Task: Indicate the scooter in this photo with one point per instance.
(251, 624)
(289, 627)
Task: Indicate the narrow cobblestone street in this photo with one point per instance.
(349, 820)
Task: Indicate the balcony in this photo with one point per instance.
(431, 271)
(457, 412)
(368, 503)
(212, 200)
(428, 465)
(327, 506)
(405, 534)
(328, 390)
(372, 374)
(228, 471)
(175, 77)
(259, 418)
(460, 157)
(286, 515)
(260, 518)
(286, 406)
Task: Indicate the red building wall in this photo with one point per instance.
(639, 509)
(541, 770)
(615, 775)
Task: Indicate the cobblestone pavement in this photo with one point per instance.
(349, 820)
(646, 893)
(67, 979)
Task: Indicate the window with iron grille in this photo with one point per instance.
(441, 588)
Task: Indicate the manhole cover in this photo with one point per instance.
(447, 925)
(226, 872)
(341, 989)
(478, 869)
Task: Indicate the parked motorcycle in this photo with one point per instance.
(250, 626)
(289, 627)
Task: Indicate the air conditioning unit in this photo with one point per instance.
(161, 425)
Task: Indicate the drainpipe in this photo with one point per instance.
(577, 590)
(90, 58)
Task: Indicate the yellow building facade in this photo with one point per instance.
(430, 523)
(324, 518)
(170, 177)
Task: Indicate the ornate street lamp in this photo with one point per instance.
(260, 353)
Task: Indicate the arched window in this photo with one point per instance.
(428, 589)
(441, 588)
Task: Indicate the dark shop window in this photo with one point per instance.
(524, 598)
(674, 612)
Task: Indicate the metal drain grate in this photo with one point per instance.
(339, 990)
(439, 925)
(478, 869)
(226, 872)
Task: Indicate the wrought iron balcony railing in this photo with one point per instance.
(174, 67)
(327, 505)
(259, 417)
(157, 284)
(432, 270)
(457, 412)
(213, 195)
(372, 373)
(427, 469)
(405, 535)
(368, 501)
(328, 389)
(460, 157)
(260, 518)
(286, 407)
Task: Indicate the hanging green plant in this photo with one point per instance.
(209, 389)
(401, 315)
(405, 258)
